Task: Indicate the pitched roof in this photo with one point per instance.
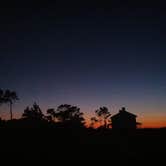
(123, 112)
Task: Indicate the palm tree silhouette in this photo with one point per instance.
(10, 97)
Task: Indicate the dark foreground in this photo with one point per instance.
(48, 144)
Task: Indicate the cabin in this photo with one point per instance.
(124, 120)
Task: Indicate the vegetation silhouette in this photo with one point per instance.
(9, 97)
(51, 114)
(102, 117)
(33, 113)
(69, 115)
(61, 134)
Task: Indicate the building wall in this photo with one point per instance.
(124, 122)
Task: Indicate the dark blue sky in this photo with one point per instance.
(88, 54)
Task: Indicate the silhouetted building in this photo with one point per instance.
(124, 120)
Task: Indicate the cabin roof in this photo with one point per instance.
(123, 112)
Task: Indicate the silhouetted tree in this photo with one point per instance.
(94, 121)
(67, 113)
(9, 97)
(1, 96)
(51, 115)
(33, 113)
(103, 115)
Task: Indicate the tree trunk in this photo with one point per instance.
(105, 123)
(11, 112)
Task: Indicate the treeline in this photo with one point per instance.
(65, 114)
(64, 136)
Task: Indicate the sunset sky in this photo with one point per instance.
(86, 54)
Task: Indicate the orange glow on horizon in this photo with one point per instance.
(153, 124)
(144, 125)
(151, 120)
(148, 121)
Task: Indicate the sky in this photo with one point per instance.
(89, 54)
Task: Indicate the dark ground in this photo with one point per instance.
(59, 144)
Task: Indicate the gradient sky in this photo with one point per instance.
(87, 54)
